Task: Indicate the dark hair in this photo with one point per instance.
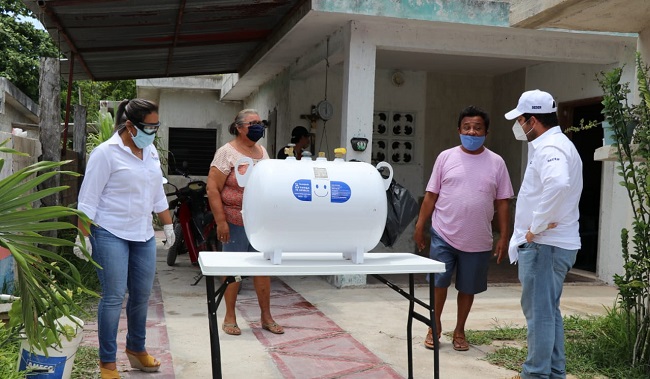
(473, 111)
(134, 110)
(549, 120)
(232, 129)
(298, 132)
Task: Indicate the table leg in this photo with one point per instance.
(432, 318)
(409, 327)
(215, 349)
(214, 299)
(430, 321)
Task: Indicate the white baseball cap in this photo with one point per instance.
(533, 102)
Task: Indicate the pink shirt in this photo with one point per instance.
(467, 186)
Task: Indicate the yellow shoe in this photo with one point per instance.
(145, 362)
(108, 374)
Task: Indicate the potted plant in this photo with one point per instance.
(43, 300)
(62, 343)
(634, 284)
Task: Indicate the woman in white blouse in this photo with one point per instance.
(122, 186)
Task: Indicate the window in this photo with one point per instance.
(191, 150)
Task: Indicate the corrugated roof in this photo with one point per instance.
(129, 39)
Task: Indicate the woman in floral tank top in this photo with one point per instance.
(225, 197)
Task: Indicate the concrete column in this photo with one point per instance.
(358, 89)
(357, 107)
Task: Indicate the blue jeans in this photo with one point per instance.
(125, 265)
(542, 269)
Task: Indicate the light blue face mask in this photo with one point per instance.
(472, 143)
(142, 139)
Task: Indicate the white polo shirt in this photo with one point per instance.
(550, 193)
(119, 191)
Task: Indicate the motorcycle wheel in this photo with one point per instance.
(177, 247)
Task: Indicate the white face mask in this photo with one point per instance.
(518, 131)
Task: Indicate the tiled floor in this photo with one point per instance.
(157, 340)
(313, 346)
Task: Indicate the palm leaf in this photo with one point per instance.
(42, 298)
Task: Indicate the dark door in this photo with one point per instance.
(586, 142)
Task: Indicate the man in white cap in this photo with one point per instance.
(545, 238)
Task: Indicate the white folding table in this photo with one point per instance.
(235, 265)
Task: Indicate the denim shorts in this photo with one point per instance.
(471, 268)
(238, 240)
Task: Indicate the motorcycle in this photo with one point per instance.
(193, 222)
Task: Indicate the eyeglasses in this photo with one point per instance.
(250, 123)
(147, 128)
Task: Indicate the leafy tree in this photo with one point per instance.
(21, 46)
(92, 92)
(634, 284)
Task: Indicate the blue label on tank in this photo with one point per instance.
(43, 367)
(302, 189)
(340, 192)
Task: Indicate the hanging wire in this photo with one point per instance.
(324, 133)
(327, 63)
(323, 137)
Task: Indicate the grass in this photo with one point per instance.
(86, 363)
(596, 346)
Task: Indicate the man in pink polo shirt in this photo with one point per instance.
(468, 183)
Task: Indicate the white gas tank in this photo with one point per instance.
(313, 206)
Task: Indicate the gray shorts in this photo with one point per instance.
(471, 268)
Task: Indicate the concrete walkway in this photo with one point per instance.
(329, 333)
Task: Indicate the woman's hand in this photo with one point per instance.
(223, 232)
(170, 237)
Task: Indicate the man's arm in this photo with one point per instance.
(503, 218)
(426, 210)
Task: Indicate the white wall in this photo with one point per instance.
(199, 109)
(16, 107)
(409, 97)
(273, 96)
(309, 92)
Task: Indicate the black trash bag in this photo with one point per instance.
(402, 209)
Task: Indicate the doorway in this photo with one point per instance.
(586, 142)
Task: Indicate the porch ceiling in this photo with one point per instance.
(129, 39)
(623, 16)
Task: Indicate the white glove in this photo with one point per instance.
(169, 235)
(77, 251)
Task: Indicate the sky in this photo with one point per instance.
(33, 21)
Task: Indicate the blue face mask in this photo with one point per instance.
(472, 143)
(142, 139)
(255, 132)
